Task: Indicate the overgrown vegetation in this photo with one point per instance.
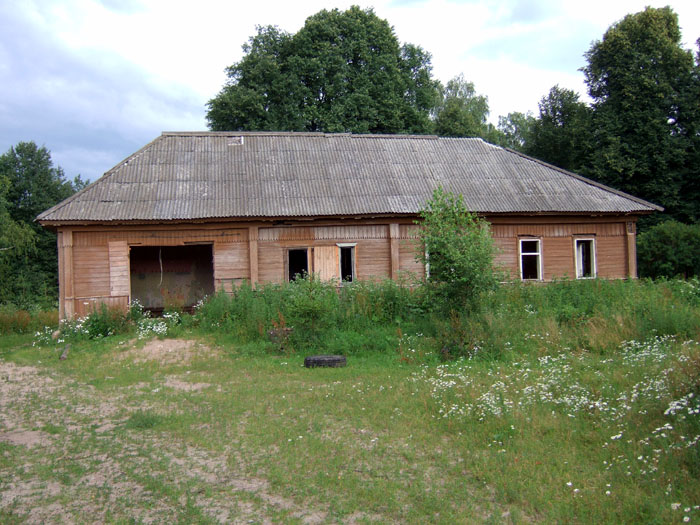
(571, 402)
(457, 248)
(309, 316)
(669, 249)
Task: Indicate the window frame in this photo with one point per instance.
(594, 262)
(538, 253)
(353, 248)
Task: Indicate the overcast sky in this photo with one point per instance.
(96, 80)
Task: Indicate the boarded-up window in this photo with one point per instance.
(326, 264)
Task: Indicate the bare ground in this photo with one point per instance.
(65, 456)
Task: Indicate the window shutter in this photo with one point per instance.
(326, 262)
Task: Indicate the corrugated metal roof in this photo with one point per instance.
(207, 175)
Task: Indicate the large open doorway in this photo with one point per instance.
(171, 276)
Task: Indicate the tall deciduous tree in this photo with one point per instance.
(559, 135)
(32, 185)
(516, 130)
(462, 112)
(341, 72)
(644, 86)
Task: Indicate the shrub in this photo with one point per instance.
(670, 249)
(18, 321)
(458, 249)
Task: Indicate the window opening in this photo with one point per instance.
(585, 259)
(347, 263)
(530, 259)
(298, 263)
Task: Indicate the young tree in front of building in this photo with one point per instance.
(458, 251)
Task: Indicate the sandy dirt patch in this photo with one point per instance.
(168, 351)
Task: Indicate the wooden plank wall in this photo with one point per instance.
(119, 269)
(557, 245)
(231, 264)
(91, 271)
(408, 266)
(94, 261)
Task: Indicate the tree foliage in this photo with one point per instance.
(462, 113)
(515, 130)
(457, 248)
(559, 135)
(31, 185)
(644, 87)
(341, 72)
(669, 249)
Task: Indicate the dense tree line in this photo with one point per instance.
(29, 185)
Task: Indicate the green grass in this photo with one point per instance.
(571, 404)
(473, 440)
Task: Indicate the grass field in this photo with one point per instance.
(196, 427)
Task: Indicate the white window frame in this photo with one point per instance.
(594, 267)
(352, 245)
(540, 260)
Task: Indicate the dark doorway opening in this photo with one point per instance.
(171, 276)
(298, 263)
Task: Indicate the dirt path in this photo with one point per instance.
(65, 455)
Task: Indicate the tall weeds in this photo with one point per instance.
(595, 315)
(308, 315)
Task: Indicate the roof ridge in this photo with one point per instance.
(295, 134)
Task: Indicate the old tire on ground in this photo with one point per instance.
(333, 361)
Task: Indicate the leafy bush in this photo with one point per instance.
(459, 252)
(19, 321)
(670, 249)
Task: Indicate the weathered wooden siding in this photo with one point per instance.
(610, 256)
(373, 259)
(557, 245)
(91, 271)
(271, 261)
(94, 261)
(119, 282)
(231, 264)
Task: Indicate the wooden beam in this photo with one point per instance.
(395, 257)
(253, 253)
(631, 230)
(67, 274)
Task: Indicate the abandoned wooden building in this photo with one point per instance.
(191, 213)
